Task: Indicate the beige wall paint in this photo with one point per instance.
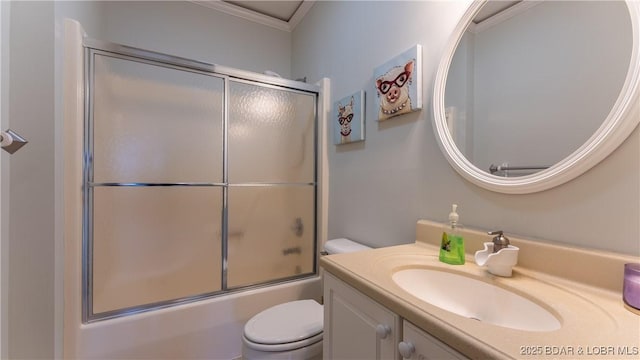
(380, 187)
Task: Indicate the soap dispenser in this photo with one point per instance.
(452, 245)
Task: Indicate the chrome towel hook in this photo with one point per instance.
(11, 141)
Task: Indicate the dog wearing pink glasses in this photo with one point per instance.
(345, 115)
(393, 91)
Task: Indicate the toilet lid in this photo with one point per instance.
(343, 246)
(285, 323)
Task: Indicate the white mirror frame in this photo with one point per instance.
(621, 121)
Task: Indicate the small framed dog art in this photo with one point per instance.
(398, 84)
(348, 119)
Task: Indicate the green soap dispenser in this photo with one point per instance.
(452, 246)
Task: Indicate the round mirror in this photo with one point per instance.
(531, 94)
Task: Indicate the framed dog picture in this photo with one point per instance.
(399, 84)
(348, 119)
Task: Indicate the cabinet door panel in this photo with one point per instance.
(426, 346)
(353, 323)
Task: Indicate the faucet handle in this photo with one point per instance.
(499, 241)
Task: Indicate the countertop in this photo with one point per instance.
(595, 322)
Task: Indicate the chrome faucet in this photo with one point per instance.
(499, 256)
(499, 241)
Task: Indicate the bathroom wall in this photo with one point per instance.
(195, 32)
(32, 240)
(34, 177)
(4, 192)
(380, 187)
(30, 245)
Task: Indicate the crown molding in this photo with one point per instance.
(303, 9)
(257, 17)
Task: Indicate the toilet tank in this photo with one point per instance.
(342, 245)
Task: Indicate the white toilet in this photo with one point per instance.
(292, 330)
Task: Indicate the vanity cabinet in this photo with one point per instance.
(357, 327)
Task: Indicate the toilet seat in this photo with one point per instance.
(285, 326)
(282, 347)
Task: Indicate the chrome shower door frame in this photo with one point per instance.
(94, 47)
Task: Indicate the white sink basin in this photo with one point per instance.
(475, 299)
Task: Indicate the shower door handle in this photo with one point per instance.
(10, 141)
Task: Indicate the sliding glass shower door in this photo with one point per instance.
(196, 184)
(271, 183)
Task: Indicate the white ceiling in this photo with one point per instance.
(283, 14)
(282, 10)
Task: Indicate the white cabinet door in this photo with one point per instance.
(356, 327)
(419, 345)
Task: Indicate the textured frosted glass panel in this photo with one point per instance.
(155, 124)
(271, 233)
(154, 243)
(271, 135)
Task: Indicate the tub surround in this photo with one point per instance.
(582, 288)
